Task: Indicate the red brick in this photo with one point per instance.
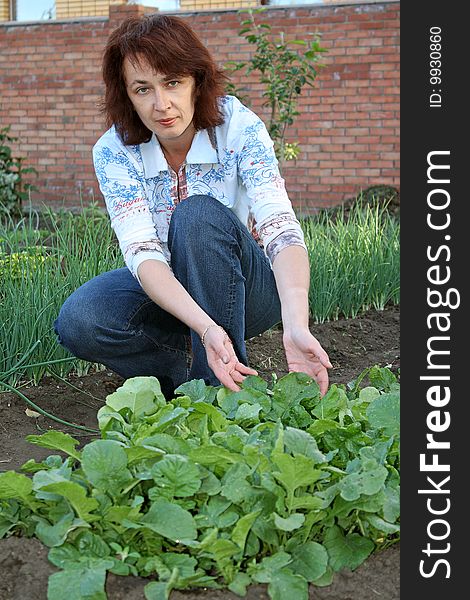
(50, 85)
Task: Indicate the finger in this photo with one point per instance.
(218, 352)
(226, 380)
(322, 381)
(321, 354)
(225, 355)
(241, 368)
(325, 360)
(237, 376)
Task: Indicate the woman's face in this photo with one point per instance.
(164, 103)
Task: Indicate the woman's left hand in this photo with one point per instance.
(304, 354)
(222, 359)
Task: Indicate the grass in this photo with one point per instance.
(39, 269)
(354, 266)
(354, 262)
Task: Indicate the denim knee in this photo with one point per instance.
(201, 206)
(193, 216)
(76, 329)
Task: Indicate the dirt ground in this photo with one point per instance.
(352, 344)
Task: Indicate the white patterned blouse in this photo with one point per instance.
(233, 163)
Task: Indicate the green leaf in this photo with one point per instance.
(377, 452)
(43, 478)
(170, 521)
(104, 462)
(368, 481)
(285, 584)
(168, 416)
(235, 486)
(368, 394)
(239, 584)
(384, 413)
(138, 454)
(56, 534)
(141, 395)
(254, 395)
(265, 529)
(332, 403)
(242, 528)
(157, 590)
(292, 389)
(222, 551)
(56, 440)
(167, 443)
(346, 551)
(309, 560)
(391, 506)
(308, 502)
(51, 462)
(293, 521)
(217, 418)
(320, 426)
(295, 471)
(185, 564)
(15, 485)
(64, 556)
(176, 475)
(372, 504)
(381, 525)
(227, 400)
(301, 442)
(6, 524)
(106, 415)
(215, 514)
(269, 566)
(382, 378)
(77, 584)
(77, 497)
(196, 389)
(213, 455)
(91, 544)
(325, 579)
(116, 514)
(248, 412)
(210, 483)
(254, 382)
(227, 519)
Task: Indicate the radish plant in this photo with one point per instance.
(271, 484)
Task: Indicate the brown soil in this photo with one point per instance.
(352, 344)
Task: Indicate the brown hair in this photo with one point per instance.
(170, 46)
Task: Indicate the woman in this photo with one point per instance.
(214, 252)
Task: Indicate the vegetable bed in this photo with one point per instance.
(270, 486)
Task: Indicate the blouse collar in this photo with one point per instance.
(201, 152)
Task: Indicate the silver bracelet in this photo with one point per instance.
(207, 329)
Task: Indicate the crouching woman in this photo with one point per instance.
(214, 253)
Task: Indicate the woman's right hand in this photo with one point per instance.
(222, 359)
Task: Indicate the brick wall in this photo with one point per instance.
(50, 87)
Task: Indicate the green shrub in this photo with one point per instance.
(22, 264)
(13, 189)
(284, 67)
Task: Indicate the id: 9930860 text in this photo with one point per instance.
(435, 67)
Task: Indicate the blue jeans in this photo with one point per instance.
(112, 321)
